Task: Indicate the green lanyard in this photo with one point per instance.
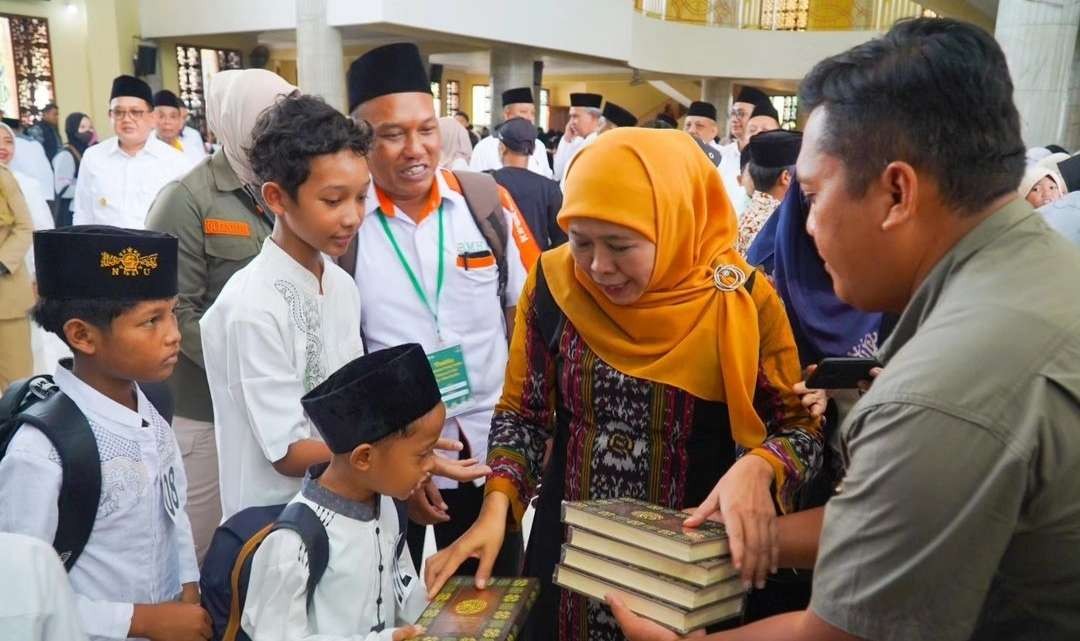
(412, 275)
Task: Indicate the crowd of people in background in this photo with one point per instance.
(290, 324)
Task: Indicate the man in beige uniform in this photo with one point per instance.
(958, 517)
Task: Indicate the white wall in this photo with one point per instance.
(171, 18)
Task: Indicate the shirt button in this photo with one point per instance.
(380, 568)
(376, 530)
(378, 601)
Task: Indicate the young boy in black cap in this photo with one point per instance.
(109, 293)
(381, 416)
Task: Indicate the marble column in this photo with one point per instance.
(718, 91)
(510, 67)
(1039, 40)
(320, 59)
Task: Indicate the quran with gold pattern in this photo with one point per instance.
(460, 612)
(648, 526)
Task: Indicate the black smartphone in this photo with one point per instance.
(841, 373)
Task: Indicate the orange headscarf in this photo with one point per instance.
(684, 331)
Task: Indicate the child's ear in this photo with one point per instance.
(82, 336)
(274, 197)
(360, 457)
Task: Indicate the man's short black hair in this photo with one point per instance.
(463, 115)
(765, 178)
(933, 92)
(52, 313)
(296, 129)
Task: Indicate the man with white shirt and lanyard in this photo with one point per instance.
(119, 177)
(517, 103)
(426, 271)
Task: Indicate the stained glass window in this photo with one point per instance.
(788, 108)
(195, 66)
(453, 97)
(785, 15)
(26, 76)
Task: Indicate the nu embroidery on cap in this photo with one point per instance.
(129, 262)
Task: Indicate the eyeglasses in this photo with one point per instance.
(739, 113)
(122, 114)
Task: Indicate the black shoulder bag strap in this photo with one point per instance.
(481, 194)
(60, 420)
(301, 519)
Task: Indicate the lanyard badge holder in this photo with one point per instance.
(448, 362)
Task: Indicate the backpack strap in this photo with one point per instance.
(301, 519)
(60, 420)
(550, 320)
(481, 194)
(237, 579)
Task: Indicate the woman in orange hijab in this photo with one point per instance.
(658, 362)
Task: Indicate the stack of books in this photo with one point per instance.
(681, 578)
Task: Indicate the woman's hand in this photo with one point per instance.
(426, 505)
(462, 471)
(743, 497)
(814, 400)
(483, 541)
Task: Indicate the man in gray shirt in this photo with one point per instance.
(959, 513)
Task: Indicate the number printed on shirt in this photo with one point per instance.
(170, 496)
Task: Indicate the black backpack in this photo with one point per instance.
(39, 402)
(226, 569)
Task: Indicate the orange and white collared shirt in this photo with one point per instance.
(469, 309)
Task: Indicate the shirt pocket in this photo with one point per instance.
(477, 267)
(231, 248)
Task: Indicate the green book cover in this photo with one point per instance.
(460, 612)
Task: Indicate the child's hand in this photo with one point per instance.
(171, 622)
(408, 632)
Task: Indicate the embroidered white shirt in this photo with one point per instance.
(268, 339)
(137, 552)
(365, 583)
(117, 189)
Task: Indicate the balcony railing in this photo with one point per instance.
(784, 15)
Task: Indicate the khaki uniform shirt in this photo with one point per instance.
(959, 515)
(220, 230)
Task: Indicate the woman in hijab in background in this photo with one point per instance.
(660, 366)
(220, 194)
(80, 135)
(456, 145)
(823, 325)
(16, 291)
(47, 348)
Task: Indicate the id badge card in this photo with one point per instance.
(452, 377)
